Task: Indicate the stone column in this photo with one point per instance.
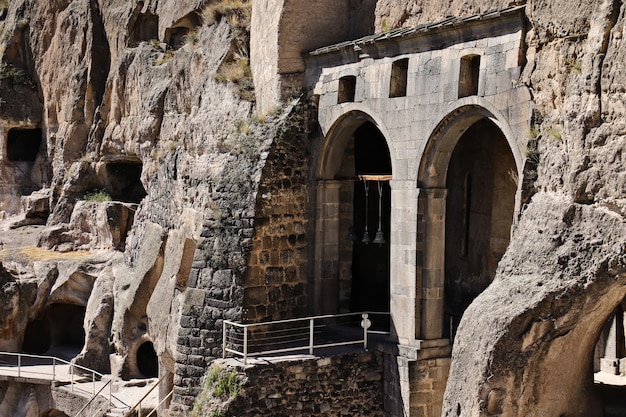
(404, 293)
(326, 288)
(431, 241)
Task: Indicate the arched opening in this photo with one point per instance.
(59, 328)
(124, 181)
(353, 220)
(147, 360)
(479, 214)
(610, 364)
(23, 144)
(371, 206)
(144, 28)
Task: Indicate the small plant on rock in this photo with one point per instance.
(219, 387)
(97, 196)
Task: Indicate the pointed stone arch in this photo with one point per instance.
(437, 190)
(355, 156)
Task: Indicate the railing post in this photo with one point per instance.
(365, 327)
(93, 381)
(54, 369)
(71, 378)
(223, 340)
(245, 345)
(311, 329)
(19, 365)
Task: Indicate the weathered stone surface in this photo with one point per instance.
(347, 385)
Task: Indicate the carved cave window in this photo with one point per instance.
(23, 144)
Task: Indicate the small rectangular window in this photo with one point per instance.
(468, 75)
(347, 89)
(399, 73)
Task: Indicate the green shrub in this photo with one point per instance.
(97, 196)
(219, 386)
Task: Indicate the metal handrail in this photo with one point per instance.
(108, 384)
(311, 326)
(161, 402)
(55, 361)
(138, 404)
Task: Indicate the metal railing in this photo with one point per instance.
(26, 365)
(137, 406)
(302, 334)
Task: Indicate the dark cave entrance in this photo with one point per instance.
(147, 360)
(481, 184)
(124, 181)
(59, 327)
(23, 144)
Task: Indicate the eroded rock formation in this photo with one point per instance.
(209, 212)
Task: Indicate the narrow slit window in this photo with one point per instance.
(399, 75)
(468, 75)
(347, 89)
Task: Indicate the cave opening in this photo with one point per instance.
(23, 144)
(124, 181)
(147, 360)
(58, 328)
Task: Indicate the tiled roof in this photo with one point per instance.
(402, 32)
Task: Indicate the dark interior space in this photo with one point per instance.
(347, 89)
(371, 217)
(23, 144)
(66, 325)
(147, 360)
(60, 325)
(479, 213)
(145, 28)
(469, 75)
(175, 37)
(124, 181)
(36, 337)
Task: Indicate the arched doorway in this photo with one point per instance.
(147, 360)
(609, 364)
(481, 184)
(468, 181)
(59, 330)
(353, 219)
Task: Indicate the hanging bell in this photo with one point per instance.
(366, 237)
(380, 238)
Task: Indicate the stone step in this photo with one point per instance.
(117, 412)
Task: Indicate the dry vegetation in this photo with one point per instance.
(236, 65)
(30, 254)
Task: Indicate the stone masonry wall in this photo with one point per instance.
(276, 277)
(216, 282)
(342, 385)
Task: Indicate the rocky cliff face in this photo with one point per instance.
(150, 102)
